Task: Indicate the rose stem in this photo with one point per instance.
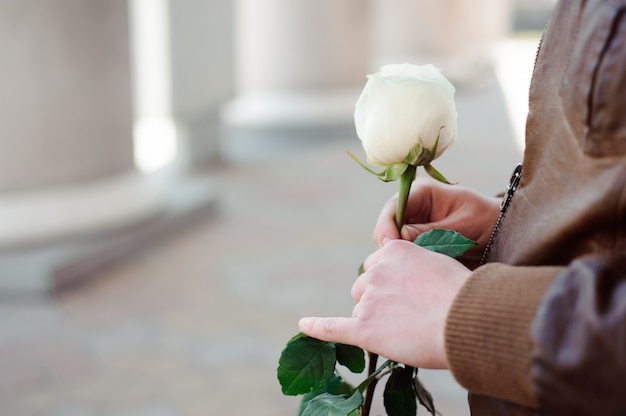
(406, 180)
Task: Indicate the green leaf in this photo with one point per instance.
(424, 396)
(350, 356)
(336, 386)
(298, 335)
(399, 397)
(334, 405)
(435, 174)
(390, 174)
(306, 364)
(364, 166)
(446, 242)
(393, 172)
(415, 153)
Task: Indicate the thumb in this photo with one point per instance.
(341, 330)
(411, 231)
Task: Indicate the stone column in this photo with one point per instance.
(455, 35)
(202, 73)
(65, 104)
(298, 63)
(66, 148)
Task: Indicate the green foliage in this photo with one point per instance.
(307, 367)
(435, 174)
(327, 404)
(351, 357)
(424, 396)
(399, 397)
(306, 364)
(335, 386)
(392, 173)
(445, 242)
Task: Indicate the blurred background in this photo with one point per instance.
(175, 192)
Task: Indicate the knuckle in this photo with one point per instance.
(375, 274)
(329, 326)
(395, 244)
(355, 292)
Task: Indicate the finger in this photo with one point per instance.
(372, 259)
(358, 288)
(342, 330)
(385, 224)
(411, 231)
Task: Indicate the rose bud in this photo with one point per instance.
(406, 115)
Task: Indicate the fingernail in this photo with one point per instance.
(304, 323)
(386, 240)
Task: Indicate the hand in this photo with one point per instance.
(402, 302)
(432, 204)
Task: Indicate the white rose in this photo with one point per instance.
(401, 112)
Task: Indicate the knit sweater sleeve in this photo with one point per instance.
(487, 336)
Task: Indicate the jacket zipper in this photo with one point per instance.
(513, 182)
(504, 206)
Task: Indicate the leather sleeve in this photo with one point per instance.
(487, 335)
(579, 333)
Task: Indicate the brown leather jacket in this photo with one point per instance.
(541, 329)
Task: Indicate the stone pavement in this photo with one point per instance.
(194, 325)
